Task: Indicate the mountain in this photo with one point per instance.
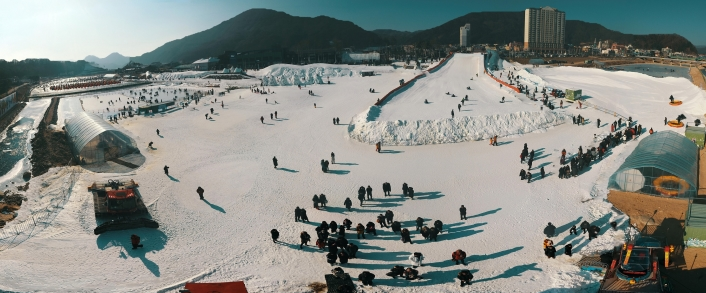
(504, 27)
(701, 49)
(393, 37)
(112, 61)
(257, 29)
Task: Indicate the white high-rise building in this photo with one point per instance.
(465, 31)
(545, 29)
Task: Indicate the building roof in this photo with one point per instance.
(111, 75)
(206, 60)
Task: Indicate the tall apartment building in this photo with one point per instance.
(545, 29)
(465, 31)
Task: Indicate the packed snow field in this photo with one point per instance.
(226, 237)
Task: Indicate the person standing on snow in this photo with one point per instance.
(200, 192)
(420, 223)
(360, 230)
(452, 113)
(369, 192)
(315, 199)
(462, 210)
(262, 119)
(367, 278)
(405, 188)
(166, 170)
(523, 174)
(135, 241)
(333, 158)
(416, 259)
(465, 277)
(305, 238)
(567, 249)
(389, 216)
(529, 177)
(459, 255)
(584, 226)
(459, 108)
(157, 131)
(347, 203)
(276, 115)
(410, 191)
(550, 251)
(541, 171)
(382, 221)
(405, 234)
(297, 214)
(274, 161)
(322, 200)
(275, 235)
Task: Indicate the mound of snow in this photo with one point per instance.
(285, 74)
(365, 128)
(185, 74)
(526, 76)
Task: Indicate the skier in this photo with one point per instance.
(420, 223)
(315, 199)
(274, 161)
(305, 238)
(275, 235)
(166, 170)
(367, 278)
(333, 158)
(459, 255)
(462, 210)
(465, 277)
(297, 214)
(416, 259)
(404, 189)
(200, 192)
(347, 203)
(369, 191)
(360, 229)
(550, 230)
(135, 240)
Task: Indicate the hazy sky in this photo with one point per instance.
(73, 29)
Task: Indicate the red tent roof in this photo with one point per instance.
(228, 287)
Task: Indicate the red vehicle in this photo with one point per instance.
(115, 198)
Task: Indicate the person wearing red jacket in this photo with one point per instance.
(135, 240)
(459, 255)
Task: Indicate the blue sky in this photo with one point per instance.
(73, 29)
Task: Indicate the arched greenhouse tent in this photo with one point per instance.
(664, 163)
(93, 140)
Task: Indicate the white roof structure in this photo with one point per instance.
(206, 60)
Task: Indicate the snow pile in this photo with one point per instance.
(526, 76)
(365, 128)
(284, 74)
(182, 75)
(693, 242)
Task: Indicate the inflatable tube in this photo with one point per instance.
(675, 103)
(675, 123)
(683, 185)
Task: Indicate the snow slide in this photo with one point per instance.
(365, 128)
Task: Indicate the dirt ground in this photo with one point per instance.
(7, 217)
(664, 218)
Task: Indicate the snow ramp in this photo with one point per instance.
(364, 127)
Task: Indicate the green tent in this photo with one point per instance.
(573, 95)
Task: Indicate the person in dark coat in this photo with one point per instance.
(166, 170)
(405, 188)
(420, 223)
(405, 236)
(425, 232)
(396, 227)
(462, 210)
(410, 191)
(297, 214)
(305, 238)
(332, 247)
(396, 271)
(465, 277)
(433, 232)
(343, 257)
(411, 274)
(200, 192)
(439, 225)
(523, 174)
(367, 278)
(315, 199)
(361, 198)
(529, 177)
(135, 241)
(360, 229)
(370, 228)
(389, 216)
(382, 221)
(331, 258)
(274, 161)
(348, 203)
(305, 218)
(341, 231)
(567, 249)
(333, 226)
(572, 231)
(550, 230)
(322, 200)
(347, 223)
(550, 251)
(459, 255)
(593, 232)
(275, 235)
(369, 192)
(584, 227)
(352, 250)
(386, 188)
(324, 226)
(541, 171)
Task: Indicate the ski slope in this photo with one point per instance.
(226, 237)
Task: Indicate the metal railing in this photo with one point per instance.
(15, 233)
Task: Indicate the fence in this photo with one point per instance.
(20, 232)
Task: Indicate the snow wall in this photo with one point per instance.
(364, 128)
(285, 74)
(527, 76)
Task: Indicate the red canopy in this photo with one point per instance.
(229, 287)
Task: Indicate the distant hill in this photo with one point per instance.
(701, 49)
(112, 61)
(393, 37)
(258, 29)
(504, 27)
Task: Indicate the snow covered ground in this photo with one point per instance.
(226, 237)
